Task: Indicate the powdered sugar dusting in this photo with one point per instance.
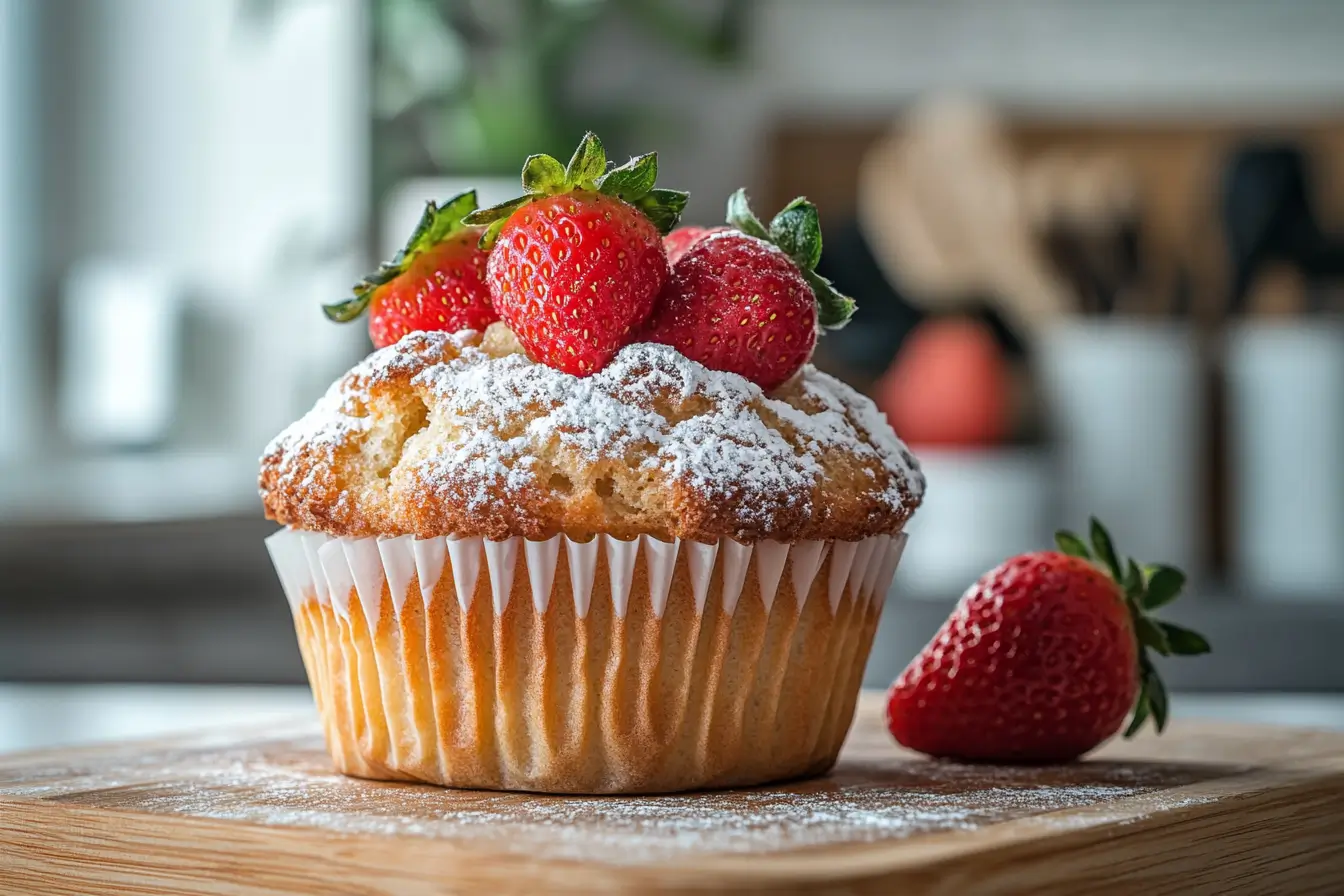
(727, 450)
(287, 782)
(500, 424)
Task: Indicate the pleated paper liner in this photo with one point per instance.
(604, 666)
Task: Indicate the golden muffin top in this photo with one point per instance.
(462, 434)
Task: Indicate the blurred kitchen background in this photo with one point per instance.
(1098, 250)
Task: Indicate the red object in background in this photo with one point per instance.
(949, 386)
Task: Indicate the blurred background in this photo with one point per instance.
(1098, 250)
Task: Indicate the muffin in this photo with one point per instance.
(651, 577)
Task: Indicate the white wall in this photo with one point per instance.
(231, 149)
(18, 239)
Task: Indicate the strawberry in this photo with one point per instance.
(678, 241)
(437, 282)
(1043, 658)
(748, 300)
(578, 261)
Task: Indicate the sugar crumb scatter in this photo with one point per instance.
(287, 783)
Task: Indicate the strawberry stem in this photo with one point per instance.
(632, 183)
(1144, 589)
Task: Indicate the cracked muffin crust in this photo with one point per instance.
(462, 434)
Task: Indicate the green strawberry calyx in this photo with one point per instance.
(1145, 589)
(796, 231)
(438, 223)
(632, 183)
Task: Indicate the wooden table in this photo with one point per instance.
(1207, 808)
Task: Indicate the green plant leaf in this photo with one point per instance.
(349, 309)
(1183, 641)
(797, 230)
(741, 216)
(1150, 634)
(633, 180)
(588, 163)
(543, 174)
(1164, 585)
(834, 309)
(1105, 549)
(1071, 544)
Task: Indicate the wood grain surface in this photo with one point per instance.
(1203, 809)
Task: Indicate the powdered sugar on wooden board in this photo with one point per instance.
(288, 782)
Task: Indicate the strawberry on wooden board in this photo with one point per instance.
(437, 282)
(578, 260)
(678, 241)
(1043, 658)
(748, 300)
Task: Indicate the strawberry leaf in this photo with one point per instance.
(1145, 588)
(1141, 711)
(1151, 634)
(741, 216)
(496, 212)
(1105, 549)
(834, 309)
(663, 208)
(436, 224)
(491, 232)
(1164, 585)
(1183, 641)
(542, 174)
(1158, 700)
(587, 170)
(633, 180)
(348, 310)
(1133, 583)
(1071, 544)
(587, 164)
(797, 230)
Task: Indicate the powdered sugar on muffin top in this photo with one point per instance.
(508, 447)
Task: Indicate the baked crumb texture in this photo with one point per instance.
(461, 434)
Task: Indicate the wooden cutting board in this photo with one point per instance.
(1205, 809)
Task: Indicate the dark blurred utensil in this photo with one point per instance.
(1268, 217)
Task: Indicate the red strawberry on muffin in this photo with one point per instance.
(678, 241)
(437, 282)
(578, 260)
(1043, 658)
(748, 300)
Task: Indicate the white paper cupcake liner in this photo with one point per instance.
(602, 666)
(314, 566)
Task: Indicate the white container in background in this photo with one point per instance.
(1125, 400)
(1285, 386)
(980, 508)
(120, 335)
